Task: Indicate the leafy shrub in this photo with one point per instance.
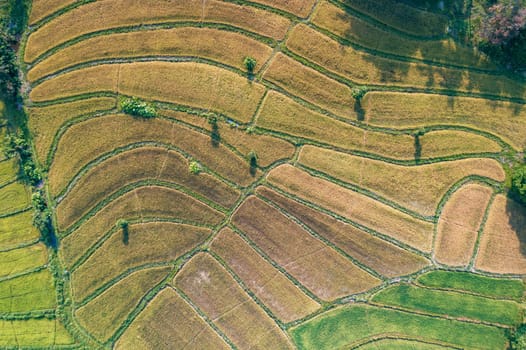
(250, 63)
(16, 145)
(518, 182)
(9, 76)
(518, 341)
(42, 219)
(358, 92)
(194, 167)
(134, 106)
(122, 223)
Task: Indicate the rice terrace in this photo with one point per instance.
(263, 174)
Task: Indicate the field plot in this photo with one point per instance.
(214, 291)
(40, 9)
(406, 185)
(170, 320)
(13, 198)
(342, 23)
(401, 344)
(28, 293)
(17, 261)
(402, 110)
(451, 304)
(477, 284)
(8, 171)
(354, 206)
(300, 8)
(109, 14)
(146, 243)
(16, 230)
(379, 255)
(502, 244)
(33, 333)
(459, 223)
(104, 314)
(344, 327)
(300, 254)
(285, 299)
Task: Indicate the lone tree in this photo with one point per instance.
(123, 225)
(253, 161)
(250, 63)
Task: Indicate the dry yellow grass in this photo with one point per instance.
(44, 122)
(146, 243)
(107, 14)
(400, 110)
(128, 167)
(282, 114)
(15, 261)
(311, 85)
(104, 314)
(502, 247)
(365, 68)
(144, 202)
(278, 293)
(355, 206)
(459, 223)
(268, 148)
(383, 257)
(300, 8)
(40, 9)
(317, 266)
(90, 139)
(409, 186)
(226, 47)
(195, 84)
(166, 321)
(343, 24)
(213, 290)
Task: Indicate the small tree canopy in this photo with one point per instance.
(518, 182)
(250, 63)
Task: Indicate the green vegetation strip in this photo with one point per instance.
(349, 325)
(472, 283)
(450, 304)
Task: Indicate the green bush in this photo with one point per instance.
(134, 106)
(16, 145)
(358, 92)
(42, 219)
(194, 167)
(250, 63)
(518, 341)
(518, 182)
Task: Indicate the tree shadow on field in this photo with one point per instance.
(125, 235)
(516, 214)
(215, 136)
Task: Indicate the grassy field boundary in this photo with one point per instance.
(391, 336)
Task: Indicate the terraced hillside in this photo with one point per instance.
(349, 191)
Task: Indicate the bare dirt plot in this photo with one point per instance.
(280, 113)
(278, 293)
(458, 224)
(16, 261)
(189, 83)
(17, 229)
(40, 9)
(170, 320)
(381, 256)
(399, 110)
(129, 167)
(88, 140)
(44, 122)
(345, 25)
(311, 85)
(268, 148)
(214, 291)
(145, 243)
(355, 206)
(318, 267)
(502, 247)
(222, 46)
(103, 315)
(298, 7)
(364, 68)
(407, 185)
(107, 14)
(145, 202)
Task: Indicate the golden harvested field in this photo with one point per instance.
(218, 45)
(356, 30)
(408, 186)
(145, 244)
(86, 141)
(299, 253)
(354, 206)
(281, 114)
(311, 85)
(403, 110)
(213, 290)
(103, 315)
(300, 8)
(45, 122)
(365, 68)
(459, 223)
(188, 83)
(283, 298)
(40, 9)
(108, 14)
(128, 167)
(502, 244)
(170, 320)
(269, 149)
(150, 202)
(379, 255)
